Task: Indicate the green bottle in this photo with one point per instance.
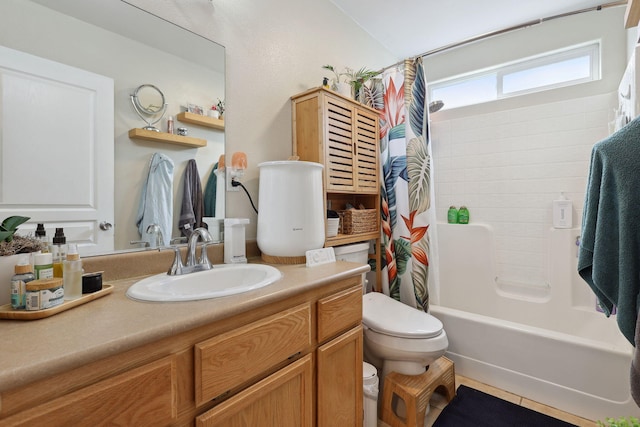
(452, 215)
(463, 215)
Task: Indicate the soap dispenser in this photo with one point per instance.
(562, 212)
(234, 244)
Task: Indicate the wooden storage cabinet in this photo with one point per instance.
(342, 135)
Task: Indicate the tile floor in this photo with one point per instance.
(438, 403)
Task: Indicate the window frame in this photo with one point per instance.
(591, 49)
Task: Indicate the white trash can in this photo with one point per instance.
(370, 395)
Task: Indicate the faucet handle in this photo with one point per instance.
(204, 256)
(177, 266)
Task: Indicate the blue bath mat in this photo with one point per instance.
(473, 408)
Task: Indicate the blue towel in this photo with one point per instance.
(609, 255)
(156, 199)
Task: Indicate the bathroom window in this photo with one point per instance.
(570, 66)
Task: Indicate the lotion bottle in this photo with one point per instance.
(72, 274)
(562, 212)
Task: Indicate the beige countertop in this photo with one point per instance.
(35, 349)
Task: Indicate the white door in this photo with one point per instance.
(57, 149)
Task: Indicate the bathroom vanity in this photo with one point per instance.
(289, 354)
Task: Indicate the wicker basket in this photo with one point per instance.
(356, 221)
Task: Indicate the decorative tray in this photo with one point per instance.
(7, 312)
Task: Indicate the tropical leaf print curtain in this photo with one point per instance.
(406, 189)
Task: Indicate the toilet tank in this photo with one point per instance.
(356, 252)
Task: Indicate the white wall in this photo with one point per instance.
(508, 160)
(274, 49)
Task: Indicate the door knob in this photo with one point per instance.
(104, 225)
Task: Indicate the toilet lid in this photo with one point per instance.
(387, 316)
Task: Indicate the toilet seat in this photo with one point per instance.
(387, 316)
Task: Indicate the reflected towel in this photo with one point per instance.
(156, 199)
(609, 255)
(192, 209)
(210, 193)
(635, 368)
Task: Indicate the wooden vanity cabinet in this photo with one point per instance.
(295, 362)
(343, 135)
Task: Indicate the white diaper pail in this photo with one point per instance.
(370, 395)
(290, 211)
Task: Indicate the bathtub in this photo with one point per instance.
(544, 341)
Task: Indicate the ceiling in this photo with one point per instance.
(412, 27)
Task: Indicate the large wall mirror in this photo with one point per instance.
(52, 148)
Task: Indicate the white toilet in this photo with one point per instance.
(398, 337)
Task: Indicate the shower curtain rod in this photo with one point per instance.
(509, 29)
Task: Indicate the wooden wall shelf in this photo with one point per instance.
(197, 119)
(149, 135)
(632, 14)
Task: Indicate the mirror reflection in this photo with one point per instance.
(86, 174)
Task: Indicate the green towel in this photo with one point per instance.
(210, 193)
(609, 256)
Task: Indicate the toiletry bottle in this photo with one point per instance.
(59, 250)
(562, 212)
(41, 235)
(72, 274)
(24, 274)
(43, 265)
(463, 215)
(452, 215)
(170, 124)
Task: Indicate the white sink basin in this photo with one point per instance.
(221, 280)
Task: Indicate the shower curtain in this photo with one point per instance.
(406, 186)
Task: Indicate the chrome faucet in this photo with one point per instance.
(178, 268)
(155, 229)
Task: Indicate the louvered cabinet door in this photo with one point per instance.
(366, 150)
(340, 162)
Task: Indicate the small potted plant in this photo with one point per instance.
(357, 79)
(342, 87)
(12, 244)
(220, 107)
(12, 248)
(214, 113)
(353, 81)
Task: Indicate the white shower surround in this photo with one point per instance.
(546, 343)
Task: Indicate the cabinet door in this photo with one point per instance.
(339, 380)
(283, 399)
(339, 145)
(236, 357)
(145, 396)
(366, 149)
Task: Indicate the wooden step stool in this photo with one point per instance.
(416, 391)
